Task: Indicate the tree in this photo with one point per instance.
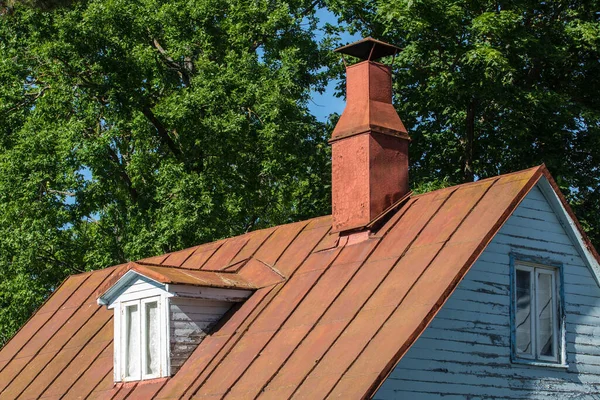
(489, 87)
(134, 128)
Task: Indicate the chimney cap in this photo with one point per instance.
(369, 49)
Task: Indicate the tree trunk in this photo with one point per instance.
(468, 173)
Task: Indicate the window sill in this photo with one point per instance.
(537, 363)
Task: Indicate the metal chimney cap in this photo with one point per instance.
(369, 49)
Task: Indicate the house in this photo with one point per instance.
(483, 290)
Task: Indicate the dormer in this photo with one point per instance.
(161, 314)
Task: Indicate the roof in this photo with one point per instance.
(246, 275)
(334, 327)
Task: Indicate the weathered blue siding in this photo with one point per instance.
(465, 352)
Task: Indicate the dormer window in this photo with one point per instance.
(141, 345)
(142, 334)
(162, 314)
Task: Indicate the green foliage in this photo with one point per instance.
(133, 128)
(488, 87)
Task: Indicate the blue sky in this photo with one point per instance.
(324, 104)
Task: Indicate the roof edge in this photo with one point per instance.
(575, 231)
(539, 172)
(121, 278)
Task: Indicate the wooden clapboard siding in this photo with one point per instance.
(190, 320)
(465, 352)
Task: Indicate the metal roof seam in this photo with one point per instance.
(370, 295)
(279, 287)
(33, 335)
(74, 356)
(268, 381)
(467, 184)
(162, 384)
(126, 388)
(209, 258)
(367, 394)
(228, 315)
(262, 243)
(338, 250)
(189, 392)
(409, 203)
(214, 251)
(29, 319)
(289, 244)
(94, 388)
(235, 267)
(323, 271)
(234, 255)
(533, 180)
(275, 290)
(130, 391)
(84, 371)
(25, 324)
(187, 258)
(74, 333)
(463, 219)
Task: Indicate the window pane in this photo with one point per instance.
(523, 308)
(545, 309)
(152, 339)
(132, 342)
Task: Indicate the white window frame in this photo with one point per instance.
(123, 336)
(535, 356)
(120, 330)
(144, 338)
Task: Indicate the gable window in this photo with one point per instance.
(141, 336)
(536, 320)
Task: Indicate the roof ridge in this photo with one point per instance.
(479, 181)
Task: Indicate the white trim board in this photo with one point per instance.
(570, 227)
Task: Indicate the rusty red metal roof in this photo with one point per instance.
(333, 323)
(249, 273)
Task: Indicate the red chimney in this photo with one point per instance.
(369, 143)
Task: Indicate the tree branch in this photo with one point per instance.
(468, 172)
(132, 191)
(162, 132)
(183, 71)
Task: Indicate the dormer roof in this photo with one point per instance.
(244, 276)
